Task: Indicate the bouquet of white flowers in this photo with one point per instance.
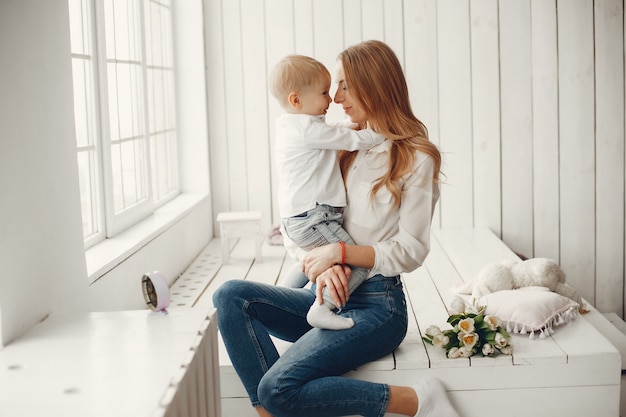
(472, 332)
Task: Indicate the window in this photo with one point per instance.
(123, 70)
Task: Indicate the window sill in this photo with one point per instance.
(106, 255)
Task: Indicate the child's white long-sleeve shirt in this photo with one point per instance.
(400, 235)
(307, 163)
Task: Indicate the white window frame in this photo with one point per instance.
(107, 220)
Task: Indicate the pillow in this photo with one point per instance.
(530, 310)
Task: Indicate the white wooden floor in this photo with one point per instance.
(563, 375)
(196, 285)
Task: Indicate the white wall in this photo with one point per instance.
(44, 270)
(41, 250)
(524, 97)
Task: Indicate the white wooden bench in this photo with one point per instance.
(575, 372)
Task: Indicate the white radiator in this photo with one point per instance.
(195, 389)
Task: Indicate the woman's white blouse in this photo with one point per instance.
(400, 235)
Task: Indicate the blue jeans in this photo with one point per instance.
(307, 380)
(318, 227)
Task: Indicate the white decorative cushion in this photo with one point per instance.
(530, 309)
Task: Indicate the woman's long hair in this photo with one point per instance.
(375, 78)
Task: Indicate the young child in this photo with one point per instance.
(311, 192)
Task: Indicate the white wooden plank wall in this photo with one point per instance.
(524, 97)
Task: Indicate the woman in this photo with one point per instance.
(392, 190)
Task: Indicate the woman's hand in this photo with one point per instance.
(336, 278)
(320, 259)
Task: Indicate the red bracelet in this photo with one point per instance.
(343, 252)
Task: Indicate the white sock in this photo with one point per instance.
(433, 400)
(322, 317)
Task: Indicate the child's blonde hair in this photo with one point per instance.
(295, 73)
